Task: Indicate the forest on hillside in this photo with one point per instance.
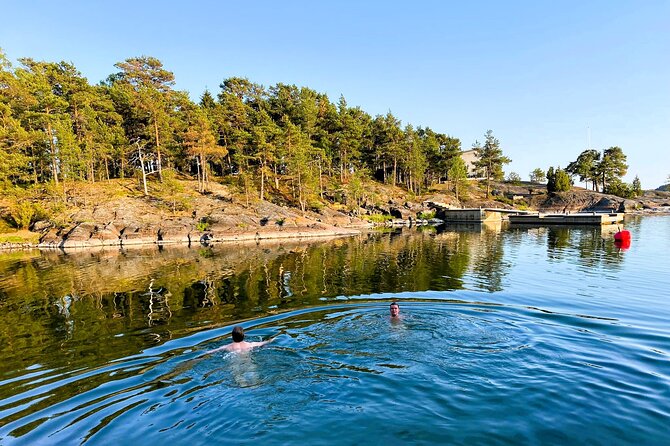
(56, 127)
(279, 141)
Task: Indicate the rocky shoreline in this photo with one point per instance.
(136, 221)
(125, 222)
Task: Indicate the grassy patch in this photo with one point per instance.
(426, 215)
(377, 218)
(20, 237)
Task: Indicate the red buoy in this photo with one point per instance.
(622, 236)
(622, 239)
(622, 244)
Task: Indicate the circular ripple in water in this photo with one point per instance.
(446, 372)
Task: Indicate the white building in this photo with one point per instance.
(469, 157)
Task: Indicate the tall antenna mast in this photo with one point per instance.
(588, 137)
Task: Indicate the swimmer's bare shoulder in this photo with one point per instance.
(241, 346)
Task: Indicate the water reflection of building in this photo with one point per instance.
(491, 226)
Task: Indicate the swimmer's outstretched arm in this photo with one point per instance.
(216, 349)
(261, 343)
(247, 345)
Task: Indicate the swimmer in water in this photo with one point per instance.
(239, 344)
(395, 310)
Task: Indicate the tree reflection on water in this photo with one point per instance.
(67, 306)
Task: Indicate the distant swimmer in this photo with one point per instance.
(395, 310)
(239, 344)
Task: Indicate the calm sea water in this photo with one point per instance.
(508, 336)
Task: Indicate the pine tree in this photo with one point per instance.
(612, 166)
(637, 186)
(490, 160)
(538, 176)
(458, 174)
(586, 166)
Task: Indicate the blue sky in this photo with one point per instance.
(540, 74)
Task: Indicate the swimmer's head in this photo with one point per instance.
(238, 334)
(395, 309)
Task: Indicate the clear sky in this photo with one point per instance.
(541, 74)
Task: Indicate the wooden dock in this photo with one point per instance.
(470, 215)
(585, 218)
(481, 215)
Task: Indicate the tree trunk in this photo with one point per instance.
(395, 170)
(144, 174)
(52, 147)
(262, 180)
(205, 178)
(197, 167)
(158, 151)
(488, 185)
(320, 181)
(300, 197)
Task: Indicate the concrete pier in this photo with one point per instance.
(468, 215)
(586, 218)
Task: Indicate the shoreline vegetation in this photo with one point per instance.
(131, 160)
(99, 216)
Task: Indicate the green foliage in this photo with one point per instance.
(22, 214)
(357, 192)
(558, 180)
(490, 159)
(20, 237)
(538, 176)
(316, 205)
(458, 174)
(620, 189)
(5, 226)
(600, 171)
(504, 199)
(563, 182)
(172, 189)
(23, 207)
(586, 166)
(637, 186)
(426, 215)
(514, 178)
(377, 218)
(203, 225)
(613, 165)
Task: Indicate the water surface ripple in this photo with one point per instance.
(507, 336)
(466, 372)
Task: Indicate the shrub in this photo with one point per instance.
(514, 178)
(620, 189)
(204, 224)
(426, 215)
(504, 199)
(22, 213)
(377, 218)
